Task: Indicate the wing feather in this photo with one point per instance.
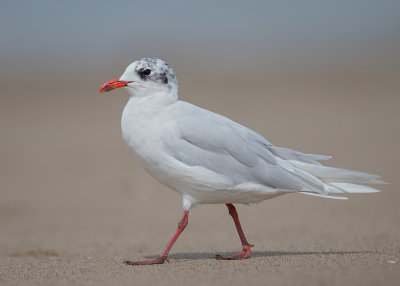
(224, 146)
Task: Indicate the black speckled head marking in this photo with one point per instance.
(151, 69)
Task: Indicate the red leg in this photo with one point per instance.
(164, 255)
(245, 253)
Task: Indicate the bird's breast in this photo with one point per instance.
(145, 132)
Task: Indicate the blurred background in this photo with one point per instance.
(315, 76)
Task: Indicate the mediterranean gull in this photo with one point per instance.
(210, 159)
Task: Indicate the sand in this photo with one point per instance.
(74, 204)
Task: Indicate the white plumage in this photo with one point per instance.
(210, 159)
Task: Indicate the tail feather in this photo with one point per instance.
(343, 188)
(323, 196)
(338, 181)
(337, 175)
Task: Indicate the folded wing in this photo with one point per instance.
(223, 146)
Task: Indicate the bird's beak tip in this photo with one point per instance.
(113, 84)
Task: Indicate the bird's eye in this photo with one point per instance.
(147, 72)
(143, 73)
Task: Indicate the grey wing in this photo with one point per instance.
(213, 141)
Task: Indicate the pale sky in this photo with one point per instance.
(50, 33)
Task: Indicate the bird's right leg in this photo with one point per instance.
(245, 253)
(164, 255)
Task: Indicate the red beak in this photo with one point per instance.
(113, 84)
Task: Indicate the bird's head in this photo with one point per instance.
(146, 77)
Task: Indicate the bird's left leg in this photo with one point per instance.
(164, 255)
(245, 253)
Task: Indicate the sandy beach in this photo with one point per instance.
(74, 204)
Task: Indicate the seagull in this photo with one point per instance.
(209, 159)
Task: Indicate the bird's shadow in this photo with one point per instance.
(208, 255)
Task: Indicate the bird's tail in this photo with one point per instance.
(339, 181)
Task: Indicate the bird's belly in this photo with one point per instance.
(200, 185)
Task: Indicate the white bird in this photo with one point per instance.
(210, 159)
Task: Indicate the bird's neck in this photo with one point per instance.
(154, 97)
(148, 106)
